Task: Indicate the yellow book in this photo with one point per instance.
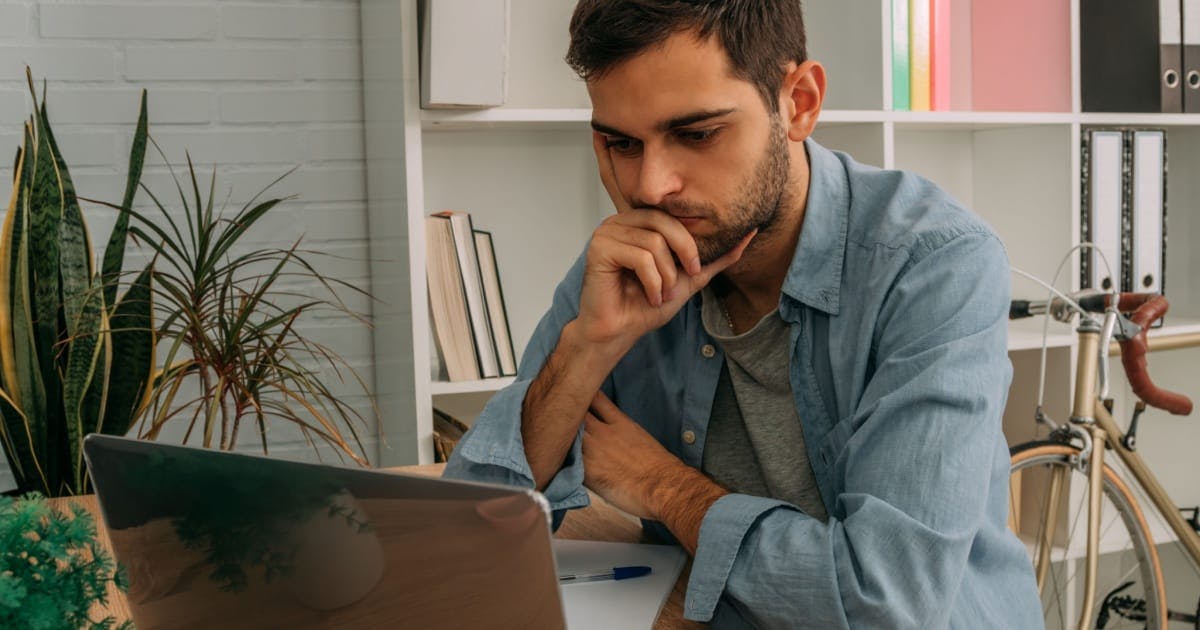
(918, 51)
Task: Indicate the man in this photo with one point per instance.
(792, 364)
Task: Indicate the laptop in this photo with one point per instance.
(214, 539)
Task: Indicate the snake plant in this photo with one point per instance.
(74, 357)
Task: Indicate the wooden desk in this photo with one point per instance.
(598, 522)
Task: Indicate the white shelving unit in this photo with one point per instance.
(526, 172)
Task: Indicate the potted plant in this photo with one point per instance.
(206, 315)
(74, 357)
(53, 572)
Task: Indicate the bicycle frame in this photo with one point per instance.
(1091, 418)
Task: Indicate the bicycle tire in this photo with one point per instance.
(1050, 453)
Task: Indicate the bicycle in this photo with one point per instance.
(1071, 471)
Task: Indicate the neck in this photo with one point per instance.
(751, 288)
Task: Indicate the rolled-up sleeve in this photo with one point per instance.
(493, 449)
(913, 469)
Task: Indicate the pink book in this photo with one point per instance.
(1021, 55)
(939, 55)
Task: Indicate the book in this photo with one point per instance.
(1134, 45)
(448, 301)
(1191, 56)
(464, 53)
(918, 55)
(1148, 207)
(497, 311)
(1032, 76)
(468, 264)
(900, 100)
(1102, 202)
(939, 55)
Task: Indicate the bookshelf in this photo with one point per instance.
(526, 172)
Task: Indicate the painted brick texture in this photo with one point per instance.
(250, 89)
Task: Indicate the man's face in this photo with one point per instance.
(687, 137)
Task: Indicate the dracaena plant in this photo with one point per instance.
(74, 357)
(235, 357)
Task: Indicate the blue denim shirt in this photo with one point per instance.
(897, 300)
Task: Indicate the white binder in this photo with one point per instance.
(1147, 216)
(1103, 198)
(464, 53)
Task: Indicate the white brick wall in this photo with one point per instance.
(252, 88)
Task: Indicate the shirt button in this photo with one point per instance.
(688, 436)
(708, 351)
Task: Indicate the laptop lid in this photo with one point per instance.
(216, 539)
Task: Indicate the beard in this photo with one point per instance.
(757, 203)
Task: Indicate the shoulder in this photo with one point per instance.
(903, 217)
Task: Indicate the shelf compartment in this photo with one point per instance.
(487, 385)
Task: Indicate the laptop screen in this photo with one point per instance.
(215, 539)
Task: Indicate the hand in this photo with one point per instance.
(632, 283)
(621, 461)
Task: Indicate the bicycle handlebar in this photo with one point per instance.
(1147, 308)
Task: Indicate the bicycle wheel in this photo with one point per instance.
(1129, 584)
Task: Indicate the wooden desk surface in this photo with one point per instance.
(600, 521)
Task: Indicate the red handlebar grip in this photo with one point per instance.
(1150, 307)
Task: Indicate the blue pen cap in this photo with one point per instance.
(624, 573)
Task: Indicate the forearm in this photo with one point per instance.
(682, 496)
(559, 397)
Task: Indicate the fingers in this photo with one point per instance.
(604, 409)
(656, 244)
(607, 174)
(678, 239)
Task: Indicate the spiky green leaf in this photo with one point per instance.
(74, 246)
(132, 326)
(114, 253)
(83, 355)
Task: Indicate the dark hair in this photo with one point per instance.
(760, 36)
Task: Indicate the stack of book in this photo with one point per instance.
(963, 55)
(465, 299)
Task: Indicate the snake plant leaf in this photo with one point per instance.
(83, 355)
(28, 377)
(17, 432)
(45, 214)
(132, 326)
(114, 253)
(75, 249)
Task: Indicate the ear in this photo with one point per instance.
(800, 98)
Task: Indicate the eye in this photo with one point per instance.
(697, 136)
(623, 146)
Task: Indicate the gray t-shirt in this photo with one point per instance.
(755, 444)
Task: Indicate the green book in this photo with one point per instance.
(900, 78)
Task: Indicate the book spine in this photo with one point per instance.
(468, 259)
(918, 59)
(939, 55)
(900, 80)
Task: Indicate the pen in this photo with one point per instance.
(594, 575)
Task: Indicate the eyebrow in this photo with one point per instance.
(673, 123)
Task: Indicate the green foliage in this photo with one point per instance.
(60, 378)
(229, 323)
(52, 569)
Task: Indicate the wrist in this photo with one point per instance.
(601, 352)
(681, 493)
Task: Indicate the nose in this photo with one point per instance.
(658, 177)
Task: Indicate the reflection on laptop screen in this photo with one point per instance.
(215, 539)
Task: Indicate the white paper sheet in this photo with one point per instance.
(632, 603)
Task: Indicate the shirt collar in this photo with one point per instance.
(814, 277)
